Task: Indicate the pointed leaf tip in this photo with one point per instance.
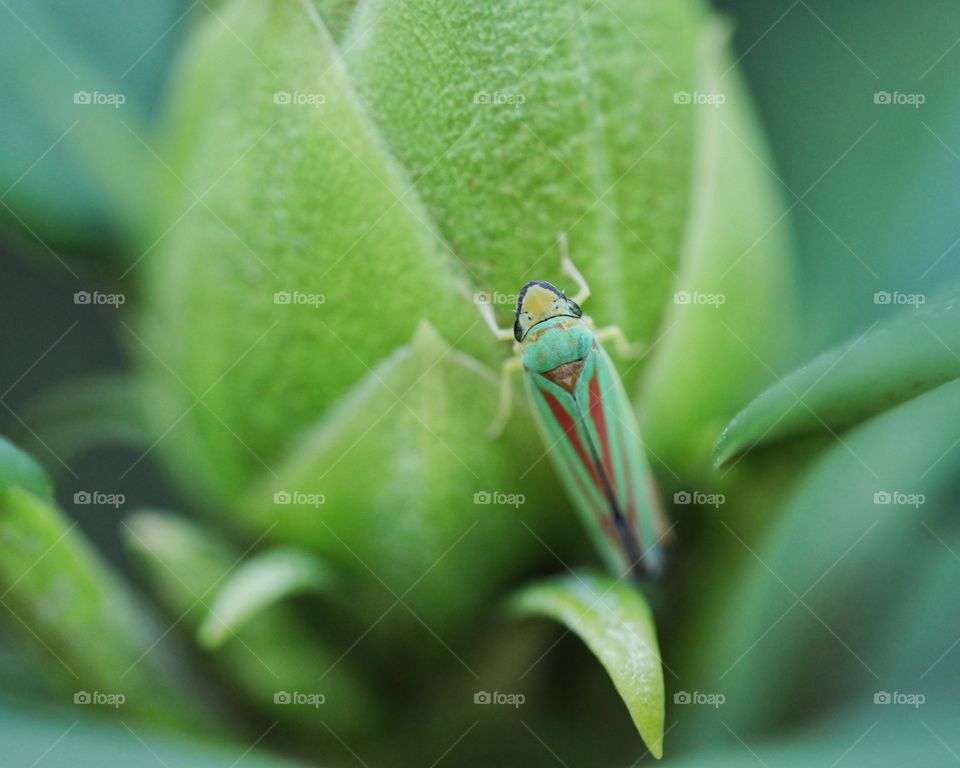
(615, 622)
(257, 584)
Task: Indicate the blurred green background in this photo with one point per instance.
(872, 191)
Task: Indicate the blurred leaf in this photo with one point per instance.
(72, 171)
(879, 183)
(272, 653)
(59, 741)
(878, 736)
(613, 619)
(257, 583)
(70, 418)
(890, 362)
(70, 608)
(387, 486)
(301, 201)
(823, 583)
(729, 328)
(19, 470)
(917, 653)
(531, 117)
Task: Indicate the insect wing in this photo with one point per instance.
(592, 438)
(613, 429)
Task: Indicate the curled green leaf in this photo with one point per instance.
(890, 362)
(85, 413)
(615, 622)
(257, 583)
(272, 653)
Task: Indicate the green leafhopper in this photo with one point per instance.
(585, 419)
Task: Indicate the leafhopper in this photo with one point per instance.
(587, 423)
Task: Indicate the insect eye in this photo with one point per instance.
(575, 308)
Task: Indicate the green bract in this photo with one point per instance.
(889, 362)
(315, 364)
(613, 619)
(334, 187)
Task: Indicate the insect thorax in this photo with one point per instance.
(555, 342)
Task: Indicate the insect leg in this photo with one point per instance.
(583, 290)
(486, 312)
(510, 366)
(624, 347)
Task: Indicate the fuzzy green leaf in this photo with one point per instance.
(729, 327)
(309, 258)
(256, 584)
(402, 488)
(890, 362)
(613, 619)
(531, 117)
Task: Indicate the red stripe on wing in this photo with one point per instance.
(600, 423)
(598, 417)
(570, 430)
